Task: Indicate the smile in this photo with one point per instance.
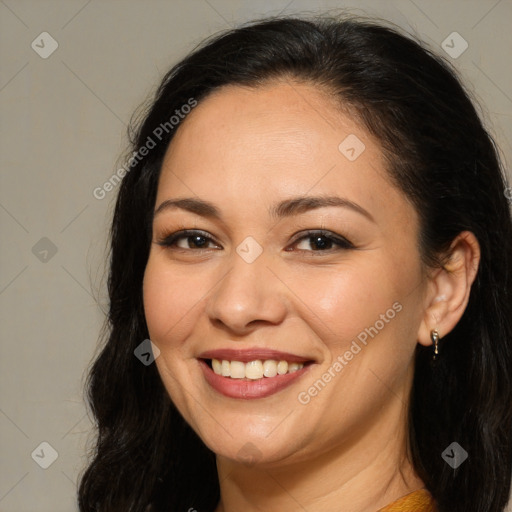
(254, 370)
(251, 374)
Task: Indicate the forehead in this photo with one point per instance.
(281, 107)
(282, 130)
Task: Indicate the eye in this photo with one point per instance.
(320, 240)
(323, 241)
(187, 239)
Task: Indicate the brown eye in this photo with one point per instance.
(194, 239)
(323, 241)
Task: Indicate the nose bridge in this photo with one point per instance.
(248, 291)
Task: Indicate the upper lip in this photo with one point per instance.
(252, 354)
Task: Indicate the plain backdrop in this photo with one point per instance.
(64, 118)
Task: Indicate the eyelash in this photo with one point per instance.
(342, 243)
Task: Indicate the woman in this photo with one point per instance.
(314, 235)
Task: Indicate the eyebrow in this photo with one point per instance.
(286, 208)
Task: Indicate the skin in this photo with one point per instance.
(245, 149)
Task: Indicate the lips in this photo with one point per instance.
(251, 388)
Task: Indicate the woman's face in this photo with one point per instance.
(261, 287)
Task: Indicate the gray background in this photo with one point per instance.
(63, 134)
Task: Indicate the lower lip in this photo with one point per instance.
(248, 389)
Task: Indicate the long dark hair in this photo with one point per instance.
(438, 153)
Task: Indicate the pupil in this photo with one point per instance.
(197, 240)
(321, 245)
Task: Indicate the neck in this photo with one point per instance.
(362, 474)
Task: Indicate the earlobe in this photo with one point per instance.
(450, 287)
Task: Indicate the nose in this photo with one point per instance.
(248, 295)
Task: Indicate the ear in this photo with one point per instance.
(449, 288)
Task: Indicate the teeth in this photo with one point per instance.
(225, 369)
(293, 367)
(282, 367)
(217, 366)
(254, 370)
(237, 370)
(270, 368)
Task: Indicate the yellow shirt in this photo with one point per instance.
(417, 501)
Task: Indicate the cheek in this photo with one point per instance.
(343, 301)
(169, 300)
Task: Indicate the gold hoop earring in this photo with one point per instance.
(434, 335)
